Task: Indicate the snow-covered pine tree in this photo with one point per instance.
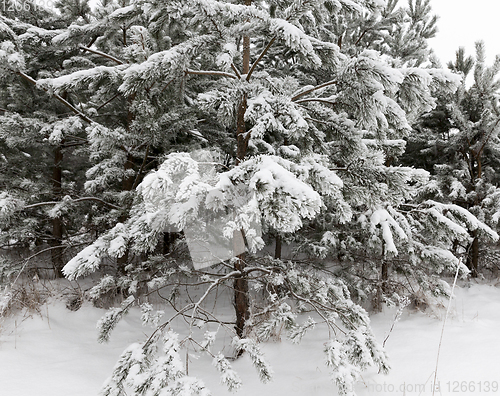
(463, 135)
(309, 100)
(37, 133)
(91, 121)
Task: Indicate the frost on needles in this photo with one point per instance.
(285, 122)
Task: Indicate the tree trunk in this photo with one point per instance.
(382, 287)
(57, 224)
(241, 298)
(384, 276)
(277, 249)
(473, 256)
(127, 182)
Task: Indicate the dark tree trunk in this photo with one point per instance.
(127, 181)
(127, 184)
(57, 223)
(384, 276)
(241, 298)
(473, 256)
(277, 249)
(382, 286)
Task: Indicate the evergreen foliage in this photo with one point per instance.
(460, 141)
(282, 116)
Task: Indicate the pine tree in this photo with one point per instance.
(463, 134)
(224, 119)
(37, 133)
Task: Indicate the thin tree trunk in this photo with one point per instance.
(473, 257)
(383, 280)
(277, 249)
(384, 275)
(57, 224)
(241, 298)
(127, 183)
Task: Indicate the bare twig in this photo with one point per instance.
(320, 100)
(108, 101)
(444, 323)
(141, 169)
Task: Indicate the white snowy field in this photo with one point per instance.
(57, 353)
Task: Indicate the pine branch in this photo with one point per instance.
(320, 100)
(141, 169)
(211, 73)
(59, 98)
(222, 38)
(327, 84)
(108, 101)
(111, 57)
(32, 206)
(486, 140)
(262, 54)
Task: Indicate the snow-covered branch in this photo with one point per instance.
(309, 90)
(107, 56)
(59, 98)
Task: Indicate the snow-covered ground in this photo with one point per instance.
(56, 353)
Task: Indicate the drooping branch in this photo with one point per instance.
(308, 91)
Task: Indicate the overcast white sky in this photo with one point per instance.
(462, 23)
